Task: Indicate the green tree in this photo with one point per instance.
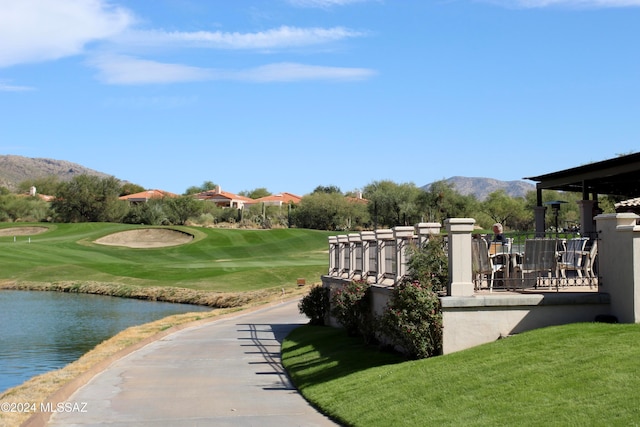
(329, 211)
(19, 208)
(45, 185)
(88, 198)
(206, 186)
(443, 202)
(329, 189)
(129, 188)
(181, 209)
(392, 204)
(508, 211)
(255, 193)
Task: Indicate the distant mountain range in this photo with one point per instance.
(482, 187)
(16, 169)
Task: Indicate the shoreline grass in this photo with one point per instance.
(578, 374)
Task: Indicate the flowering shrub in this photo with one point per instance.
(352, 308)
(315, 305)
(413, 320)
(429, 264)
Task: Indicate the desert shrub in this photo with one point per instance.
(412, 320)
(205, 219)
(351, 306)
(315, 305)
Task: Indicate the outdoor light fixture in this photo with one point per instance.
(555, 205)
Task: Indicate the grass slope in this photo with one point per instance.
(217, 260)
(570, 375)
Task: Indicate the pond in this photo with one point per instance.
(44, 331)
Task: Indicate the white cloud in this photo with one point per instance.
(291, 72)
(33, 31)
(323, 3)
(568, 3)
(42, 30)
(6, 87)
(124, 70)
(282, 37)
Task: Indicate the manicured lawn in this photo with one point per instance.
(217, 259)
(571, 375)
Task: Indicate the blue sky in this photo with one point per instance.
(292, 94)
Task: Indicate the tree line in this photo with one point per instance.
(380, 204)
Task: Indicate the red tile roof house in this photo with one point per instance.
(224, 198)
(279, 200)
(145, 196)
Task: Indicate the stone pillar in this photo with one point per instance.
(538, 212)
(355, 249)
(369, 250)
(385, 240)
(424, 229)
(403, 237)
(618, 247)
(587, 223)
(333, 250)
(460, 271)
(343, 244)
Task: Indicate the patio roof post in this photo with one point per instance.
(587, 223)
(539, 212)
(460, 260)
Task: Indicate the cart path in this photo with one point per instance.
(224, 373)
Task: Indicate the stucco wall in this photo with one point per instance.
(471, 321)
(480, 319)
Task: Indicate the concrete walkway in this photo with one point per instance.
(223, 373)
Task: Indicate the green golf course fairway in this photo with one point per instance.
(220, 260)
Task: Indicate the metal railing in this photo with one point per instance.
(536, 261)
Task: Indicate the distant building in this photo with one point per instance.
(223, 198)
(34, 193)
(145, 196)
(279, 200)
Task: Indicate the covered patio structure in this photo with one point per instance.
(619, 176)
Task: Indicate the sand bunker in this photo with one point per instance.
(146, 238)
(22, 231)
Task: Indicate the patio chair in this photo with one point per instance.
(572, 257)
(589, 262)
(500, 256)
(482, 265)
(539, 258)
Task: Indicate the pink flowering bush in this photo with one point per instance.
(413, 320)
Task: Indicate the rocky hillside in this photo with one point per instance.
(16, 169)
(482, 187)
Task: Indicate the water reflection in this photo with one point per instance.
(44, 331)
